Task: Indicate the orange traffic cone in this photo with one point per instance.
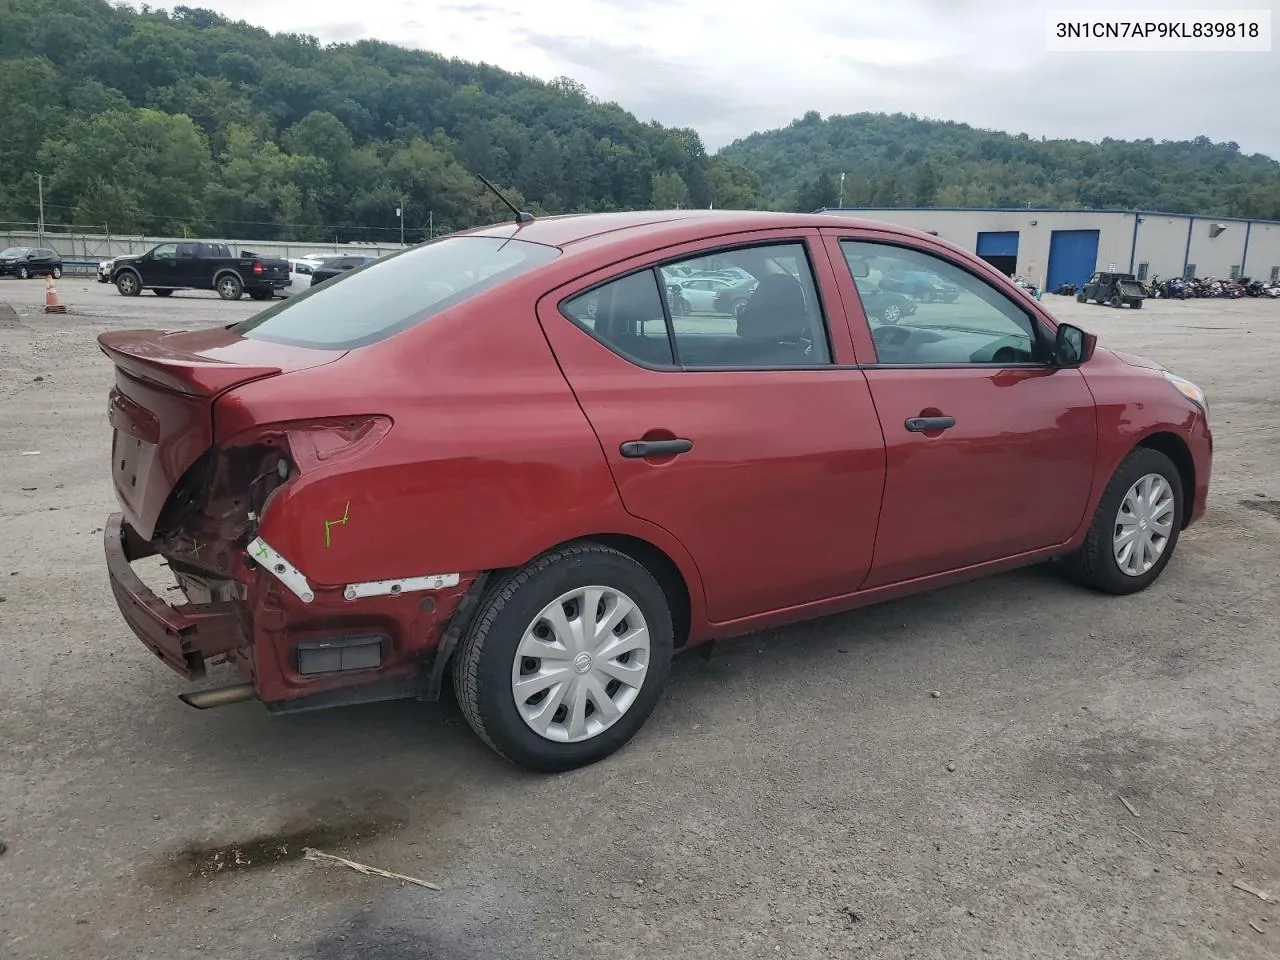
(51, 302)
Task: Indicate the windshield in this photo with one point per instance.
(372, 302)
(14, 252)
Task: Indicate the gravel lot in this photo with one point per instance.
(791, 797)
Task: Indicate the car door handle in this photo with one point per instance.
(927, 424)
(638, 449)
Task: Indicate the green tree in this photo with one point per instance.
(669, 191)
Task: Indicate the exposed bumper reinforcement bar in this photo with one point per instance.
(184, 637)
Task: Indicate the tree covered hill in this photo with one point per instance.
(187, 122)
(897, 160)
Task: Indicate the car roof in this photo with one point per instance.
(668, 225)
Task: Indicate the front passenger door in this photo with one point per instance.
(990, 447)
(161, 268)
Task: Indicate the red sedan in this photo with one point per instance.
(501, 457)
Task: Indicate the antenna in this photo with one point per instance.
(521, 215)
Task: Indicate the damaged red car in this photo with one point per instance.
(502, 459)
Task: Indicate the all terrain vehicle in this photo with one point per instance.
(1115, 289)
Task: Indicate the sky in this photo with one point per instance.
(729, 69)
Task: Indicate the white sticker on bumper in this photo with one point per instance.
(281, 569)
(384, 588)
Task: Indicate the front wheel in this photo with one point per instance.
(891, 314)
(57, 273)
(229, 287)
(566, 658)
(1135, 528)
(128, 284)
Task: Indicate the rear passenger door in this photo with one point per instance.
(751, 439)
(186, 271)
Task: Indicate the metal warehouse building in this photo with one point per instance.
(1050, 247)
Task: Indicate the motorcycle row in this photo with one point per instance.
(1179, 289)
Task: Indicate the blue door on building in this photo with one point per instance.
(1000, 249)
(1073, 256)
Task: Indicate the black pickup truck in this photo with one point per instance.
(197, 265)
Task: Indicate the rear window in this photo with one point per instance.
(374, 301)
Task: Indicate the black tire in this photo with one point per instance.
(259, 294)
(1080, 298)
(482, 666)
(1115, 300)
(1094, 564)
(57, 273)
(24, 273)
(162, 293)
(129, 284)
(1136, 304)
(229, 287)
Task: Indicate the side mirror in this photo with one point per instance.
(1072, 346)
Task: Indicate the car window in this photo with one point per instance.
(166, 250)
(370, 303)
(940, 314)
(188, 249)
(626, 315)
(772, 320)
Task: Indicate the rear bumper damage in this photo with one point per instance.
(297, 645)
(186, 637)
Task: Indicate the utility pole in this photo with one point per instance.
(841, 203)
(431, 224)
(400, 214)
(40, 188)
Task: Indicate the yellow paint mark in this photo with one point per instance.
(330, 524)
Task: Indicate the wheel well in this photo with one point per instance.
(1175, 448)
(664, 571)
(227, 271)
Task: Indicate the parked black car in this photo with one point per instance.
(198, 265)
(1116, 289)
(332, 266)
(886, 307)
(24, 262)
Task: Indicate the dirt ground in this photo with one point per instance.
(791, 797)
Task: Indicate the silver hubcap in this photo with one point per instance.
(1143, 525)
(891, 313)
(227, 288)
(126, 284)
(580, 664)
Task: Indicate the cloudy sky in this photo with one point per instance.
(727, 69)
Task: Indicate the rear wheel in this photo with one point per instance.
(891, 314)
(1136, 526)
(162, 293)
(1115, 300)
(259, 294)
(128, 284)
(566, 658)
(1080, 298)
(1136, 304)
(229, 287)
(57, 273)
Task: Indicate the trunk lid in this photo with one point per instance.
(161, 407)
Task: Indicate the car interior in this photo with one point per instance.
(980, 326)
(779, 325)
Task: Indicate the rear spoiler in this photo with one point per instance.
(144, 356)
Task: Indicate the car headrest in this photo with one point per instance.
(775, 312)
